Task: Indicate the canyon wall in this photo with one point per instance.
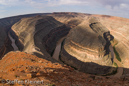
(5, 28)
(86, 46)
(87, 49)
(39, 34)
(117, 36)
(3, 41)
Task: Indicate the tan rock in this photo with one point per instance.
(29, 75)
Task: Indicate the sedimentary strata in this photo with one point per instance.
(39, 34)
(86, 46)
(3, 40)
(5, 28)
(85, 50)
(115, 33)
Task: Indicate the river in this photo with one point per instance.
(58, 49)
(120, 68)
(56, 53)
(13, 43)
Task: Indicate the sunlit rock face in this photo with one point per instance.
(5, 28)
(86, 46)
(39, 34)
(114, 28)
(118, 27)
(86, 49)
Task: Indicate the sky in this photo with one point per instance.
(118, 8)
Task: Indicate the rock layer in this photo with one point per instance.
(39, 34)
(5, 27)
(86, 49)
(87, 45)
(3, 41)
(117, 29)
(22, 66)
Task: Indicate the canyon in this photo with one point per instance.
(92, 44)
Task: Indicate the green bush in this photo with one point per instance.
(117, 54)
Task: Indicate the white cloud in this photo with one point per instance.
(112, 3)
(123, 5)
(66, 2)
(8, 2)
(43, 3)
(33, 3)
(112, 6)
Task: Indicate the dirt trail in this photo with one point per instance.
(13, 43)
(120, 68)
(58, 49)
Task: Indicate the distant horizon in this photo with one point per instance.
(56, 12)
(118, 8)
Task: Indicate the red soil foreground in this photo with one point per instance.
(21, 66)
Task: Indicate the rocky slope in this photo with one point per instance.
(39, 35)
(90, 46)
(117, 29)
(5, 26)
(3, 40)
(22, 66)
(87, 49)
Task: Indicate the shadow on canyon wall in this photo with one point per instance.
(87, 67)
(90, 67)
(6, 24)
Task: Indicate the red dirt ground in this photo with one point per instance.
(23, 66)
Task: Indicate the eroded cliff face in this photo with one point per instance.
(87, 49)
(39, 34)
(115, 34)
(87, 45)
(5, 28)
(119, 29)
(3, 40)
(22, 66)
